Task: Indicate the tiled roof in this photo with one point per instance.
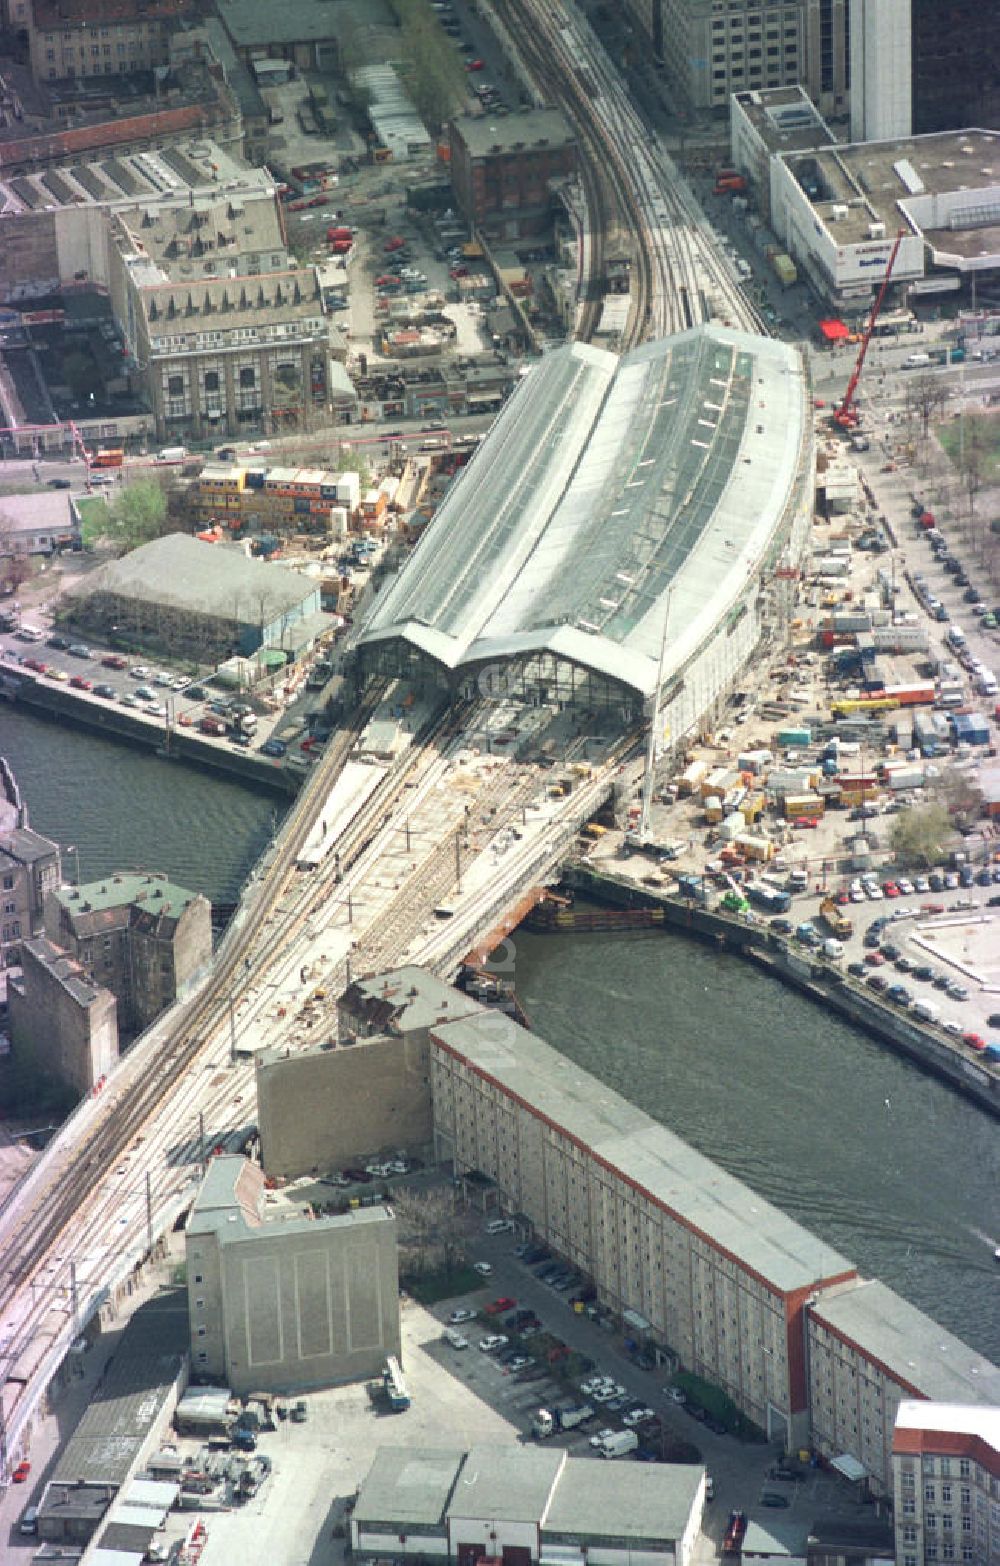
(51, 14)
(108, 133)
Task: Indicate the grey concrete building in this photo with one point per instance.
(30, 868)
(520, 1505)
(709, 49)
(715, 1273)
(180, 596)
(61, 1023)
(319, 1109)
(143, 937)
(282, 1301)
(869, 1351)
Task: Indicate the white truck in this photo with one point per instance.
(548, 1421)
(619, 1444)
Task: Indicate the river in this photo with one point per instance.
(888, 1165)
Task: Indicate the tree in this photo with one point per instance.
(137, 514)
(960, 796)
(925, 398)
(918, 836)
(429, 1238)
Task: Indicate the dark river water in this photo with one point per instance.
(888, 1165)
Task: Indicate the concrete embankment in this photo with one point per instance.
(825, 983)
(181, 744)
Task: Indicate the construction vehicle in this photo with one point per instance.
(835, 919)
(846, 416)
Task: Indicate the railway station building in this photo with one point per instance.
(626, 522)
(282, 1301)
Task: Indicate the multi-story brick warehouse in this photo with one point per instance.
(946, 1484)
(868, 1353)
(721, 1277)
(503, 173)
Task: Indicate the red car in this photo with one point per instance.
(498, 1307)
(458, 271)
(37, 665)
(393, 244)
(842, 898)
(81, 683)
(114, 661)
(807, 821)
(476, 65)
(974, 1041)
(891, 889)
(932, 908)
(21, 1472)
(874, 959)
(387, 280)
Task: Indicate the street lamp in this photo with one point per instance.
(71, 848)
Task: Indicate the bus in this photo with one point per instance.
(108, 457)
(395, 1386)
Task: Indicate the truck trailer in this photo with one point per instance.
(548, 1421)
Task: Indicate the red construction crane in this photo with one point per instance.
(846, 416)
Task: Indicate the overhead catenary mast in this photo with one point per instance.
(654, 726)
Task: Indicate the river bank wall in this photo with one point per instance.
(821, 981)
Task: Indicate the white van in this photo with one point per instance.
(916, 361)
(986, 683)
(499, 1226)
(926, 1010)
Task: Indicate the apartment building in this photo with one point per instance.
(712, 48)
(30, 868)
(62, 1024)
(706, 1268)
(144, 938)
(946, 1484)
(869, 1352)
(86, 38)
(280, 1300)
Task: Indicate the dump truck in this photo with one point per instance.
(835, 919)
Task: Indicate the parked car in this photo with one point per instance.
(490, 1344)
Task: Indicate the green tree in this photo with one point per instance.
(918, 836)
(137, 515)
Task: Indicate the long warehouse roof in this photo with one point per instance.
(605, 485)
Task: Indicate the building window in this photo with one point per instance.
(248, 376)
(198, 1277)
(929, 1492)
(946, 1495)
(202, 1332)
(8, 883)
(10, 908)
(909, 1534)
(909, 1506)
(964, 1468)
(202, 1355)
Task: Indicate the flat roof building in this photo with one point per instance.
(525, 1505)
(281, 1300)
(504, 172)
(869, 1351)
(715, 1271)
(838, 210)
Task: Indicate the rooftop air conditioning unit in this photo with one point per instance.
(838, 212)
(876, 231)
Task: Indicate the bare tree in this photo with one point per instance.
(429, 1237)
(925, 399)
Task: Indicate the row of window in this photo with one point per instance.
(11, 932)
(96, 50)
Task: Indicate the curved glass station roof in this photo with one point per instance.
(607, 489)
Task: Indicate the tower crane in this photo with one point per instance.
(846, 416)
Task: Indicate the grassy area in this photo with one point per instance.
(982, 430)
(431, 1287)
(18, 489)
(702, 1394)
